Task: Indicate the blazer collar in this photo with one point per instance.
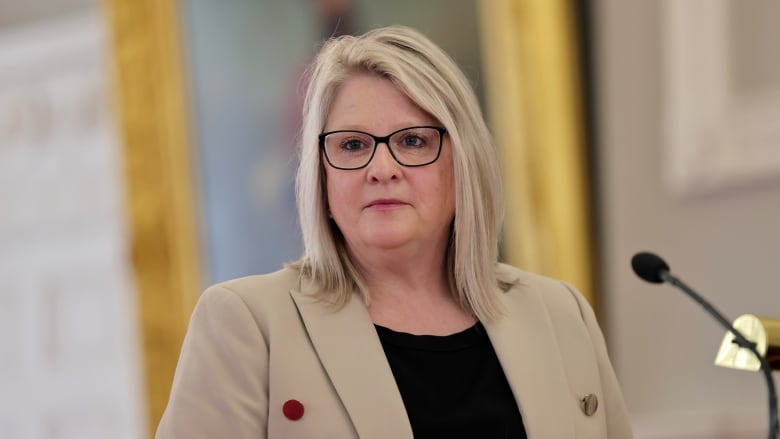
(525, 343)
(352, 355)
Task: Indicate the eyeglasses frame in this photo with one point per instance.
(382, 139)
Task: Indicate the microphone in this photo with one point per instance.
(653, 269)
(649, 267)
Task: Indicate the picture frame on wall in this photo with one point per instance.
(721, 95)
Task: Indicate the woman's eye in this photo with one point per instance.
(412, 140)
(353, 145)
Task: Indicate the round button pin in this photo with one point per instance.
(293, 409)
(589, 404)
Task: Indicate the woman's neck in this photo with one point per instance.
(404, 272)
(412, 294)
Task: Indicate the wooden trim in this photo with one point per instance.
(535, 109)
(159, 165)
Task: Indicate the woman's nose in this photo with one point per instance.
(383, 166)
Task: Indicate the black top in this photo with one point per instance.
(452, 386)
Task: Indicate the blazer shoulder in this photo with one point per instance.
(277, 283)
(554, 292)
(515, 277)
(263, 294)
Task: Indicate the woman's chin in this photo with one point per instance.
(387, 242)
(387, 239)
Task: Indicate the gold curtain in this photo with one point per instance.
(152, 112)
(534, 104)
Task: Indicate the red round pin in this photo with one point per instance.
(293, 409)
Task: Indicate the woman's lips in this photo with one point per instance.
(385, 204)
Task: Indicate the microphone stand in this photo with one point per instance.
(740, 340)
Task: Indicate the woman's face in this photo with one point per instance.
(386, 205)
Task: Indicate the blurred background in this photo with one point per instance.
(147, 150)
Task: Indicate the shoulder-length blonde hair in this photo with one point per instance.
(422, 71)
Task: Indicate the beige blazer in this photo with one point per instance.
(255, 343)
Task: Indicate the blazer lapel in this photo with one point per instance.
(526, 347)
(350, 351)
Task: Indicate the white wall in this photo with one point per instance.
(15, 13)
(69, 355)
(724, 242)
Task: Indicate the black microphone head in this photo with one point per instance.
(649, 267)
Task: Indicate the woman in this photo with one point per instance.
(398, 321)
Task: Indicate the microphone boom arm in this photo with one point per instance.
(740, 339)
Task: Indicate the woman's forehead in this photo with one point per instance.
(368, 101)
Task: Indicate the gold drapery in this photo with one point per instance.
(534, 103)
(151, 107)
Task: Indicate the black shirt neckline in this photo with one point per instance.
(469, 337)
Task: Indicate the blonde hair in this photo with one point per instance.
(422, 71)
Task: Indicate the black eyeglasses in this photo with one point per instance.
(413, 146)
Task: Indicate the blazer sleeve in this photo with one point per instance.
(618, 420)
(221, 383)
